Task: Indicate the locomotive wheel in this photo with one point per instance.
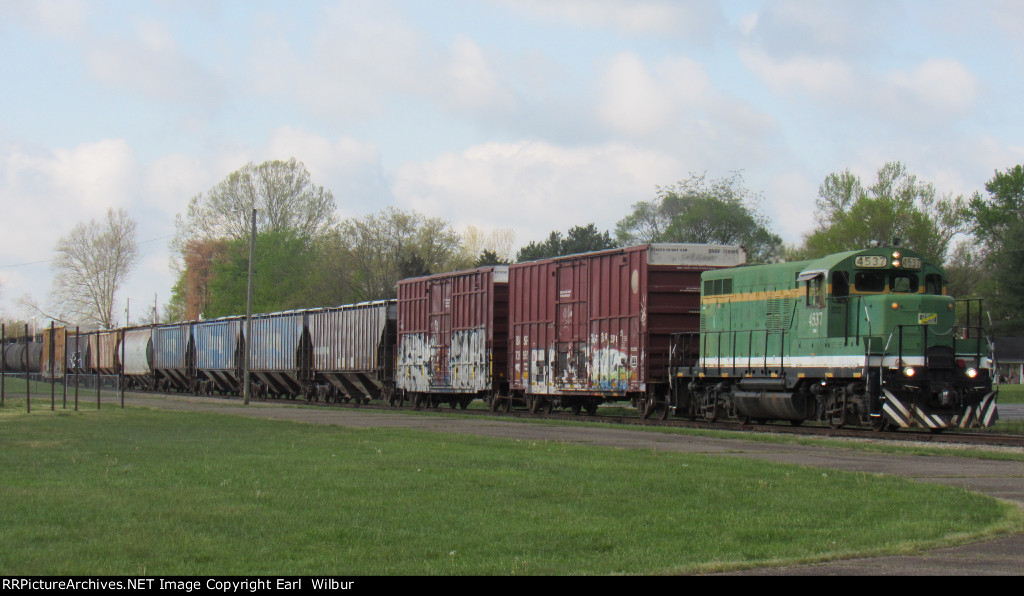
(879, 424)
(711, 409)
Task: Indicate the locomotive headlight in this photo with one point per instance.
(895, 305)
(909, 371)
(895, 254)
(972, 373)
(895, 263)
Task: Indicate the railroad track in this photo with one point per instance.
(807, 429)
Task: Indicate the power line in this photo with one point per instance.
(52, 260)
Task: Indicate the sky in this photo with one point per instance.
(535, 115)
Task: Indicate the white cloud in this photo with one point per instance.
(533, 187)
(472, 82)
(931, 93)
(55, 17)
(350, 169)
(148, 61)
(822, 78)
(935, 87)
(695, 19)
(637, 102)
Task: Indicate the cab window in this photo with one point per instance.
(869, 281)
(840, 286)
(816, 292)
(903, 283)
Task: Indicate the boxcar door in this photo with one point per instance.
(571, 318)
(440, 331)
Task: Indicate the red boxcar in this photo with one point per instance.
(596, 327)
(453, 336)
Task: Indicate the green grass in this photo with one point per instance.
(1011, 394)
(139, 491)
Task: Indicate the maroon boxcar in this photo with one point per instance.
(596, 327)
(453, 337)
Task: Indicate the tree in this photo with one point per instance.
(282, 193)
(998, 225)
(382, 248)
(191, 294)
(282, 267)
(93, 261)
(578, 239)
(498, 244)
(897, 206)
(488, 258)
(721, 211)
(287, 203)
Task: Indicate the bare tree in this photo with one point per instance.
(385, 247)
(282, 193)
(93, 261)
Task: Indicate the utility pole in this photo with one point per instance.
(248, 313)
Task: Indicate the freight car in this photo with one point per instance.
(453, 337)
(865, 337)
(596, 327)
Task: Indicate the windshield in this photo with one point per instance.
(879, 282)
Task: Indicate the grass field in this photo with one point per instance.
(138, 491)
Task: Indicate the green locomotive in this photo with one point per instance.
(867, 337)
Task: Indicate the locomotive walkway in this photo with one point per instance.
(1000, 479)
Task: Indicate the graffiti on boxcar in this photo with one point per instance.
(468, 360)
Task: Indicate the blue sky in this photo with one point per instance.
(533, 115)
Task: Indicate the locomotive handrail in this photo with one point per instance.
(769, 333)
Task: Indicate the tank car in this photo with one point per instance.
(864, 337)
(137, 349)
